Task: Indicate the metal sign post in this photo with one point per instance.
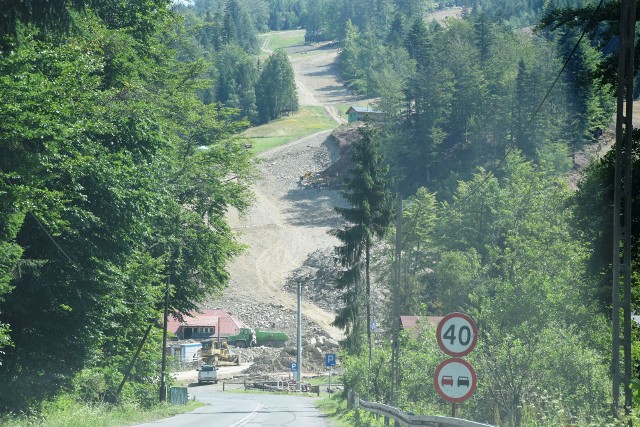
(622, 214)
(330, 362)
(299, 352)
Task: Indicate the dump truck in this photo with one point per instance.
(249, 337)
(216, 353)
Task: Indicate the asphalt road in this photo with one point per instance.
(229, 409)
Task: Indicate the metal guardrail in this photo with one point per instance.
(266, 385)
(408, 419)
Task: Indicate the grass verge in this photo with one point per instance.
(74, 414)
(304, 122)
(336, 409)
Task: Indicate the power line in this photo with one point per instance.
(510, 149)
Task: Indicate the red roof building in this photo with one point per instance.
(208, 324)
(413, 323)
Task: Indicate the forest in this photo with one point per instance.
(120, 153)
(484, 120)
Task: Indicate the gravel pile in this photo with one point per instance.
(272, 360)
(318, 273)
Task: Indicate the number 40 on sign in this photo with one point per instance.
(457, 334)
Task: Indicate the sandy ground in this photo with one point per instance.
(224, 372)
(287, 222)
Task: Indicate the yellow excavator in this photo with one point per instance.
(216, 353)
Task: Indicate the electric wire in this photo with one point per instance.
(510, 149)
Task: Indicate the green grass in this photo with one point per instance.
(283, 40)
(336, 408)
(279, 40)
(324, 380)
(304, 122)
(68, 413)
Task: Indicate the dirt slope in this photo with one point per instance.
(288, 222)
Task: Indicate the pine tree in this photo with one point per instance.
(368, 215)
(276, 89)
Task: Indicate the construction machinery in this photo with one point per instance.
(249, 337)
(217, 353)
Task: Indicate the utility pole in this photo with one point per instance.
(395, 349)
(395, 312)
(622, 207)
(299, 352)
(163, 380)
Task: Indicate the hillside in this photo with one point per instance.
(286, 230)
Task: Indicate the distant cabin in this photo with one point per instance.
(355, 114)
(210, 323)
(416, 323)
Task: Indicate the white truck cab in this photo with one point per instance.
(208, 374)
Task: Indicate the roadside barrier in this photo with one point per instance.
(407, 418)
(282, 385)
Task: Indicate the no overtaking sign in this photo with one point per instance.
(455, 380)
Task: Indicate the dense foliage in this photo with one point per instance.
(119, 158)
(115, 178)
(481, 127)
(470, 91)
(224, 35)
(276, 93)
(506, 252)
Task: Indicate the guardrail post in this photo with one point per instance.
(245, 383)
(356, 408)
(222, 385)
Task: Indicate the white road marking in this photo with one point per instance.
(248, 417)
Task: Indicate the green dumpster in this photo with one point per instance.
(178, 395)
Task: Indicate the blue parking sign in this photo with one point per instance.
(294, 367)
(330, 359)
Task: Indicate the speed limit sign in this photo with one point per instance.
(457, 334)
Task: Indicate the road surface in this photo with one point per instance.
(229, 409)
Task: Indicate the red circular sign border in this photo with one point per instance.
(474, 332)
(473, 375)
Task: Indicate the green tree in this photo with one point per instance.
(366, 191)
(430, 92)
(276, 88)
(53, 16)
(239, 27)
(420, 254)
(109, 195)
(529, 275)
(237, 79)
